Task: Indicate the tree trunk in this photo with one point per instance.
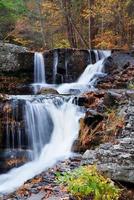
(89, 25)
(42, 26)
(66, 8)
(72, 30)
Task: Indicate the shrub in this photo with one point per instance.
(87, 182)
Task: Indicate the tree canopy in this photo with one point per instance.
(46, 24)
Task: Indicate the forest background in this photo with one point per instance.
(47, 24)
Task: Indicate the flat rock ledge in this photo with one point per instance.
(116, 160)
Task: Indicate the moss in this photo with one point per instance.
(131, 85)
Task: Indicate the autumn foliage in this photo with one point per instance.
(46, 24)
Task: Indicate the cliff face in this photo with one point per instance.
(16, 68)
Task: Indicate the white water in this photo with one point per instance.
(96, 55)
(55, 65)
(65, 119)
(39, 68)
(64, 133)
(38, 125)
(88, 78)
(39, 71)
(85, 82)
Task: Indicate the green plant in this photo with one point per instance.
(131, 85)
(86, 181)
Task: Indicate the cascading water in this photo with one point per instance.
(55, 65)
(96, 55)
(12, 126)
(39, 72)
(39, 126)
(63, 134)
(90, 56)
(51, 125)
(39, 68)
(88, 78)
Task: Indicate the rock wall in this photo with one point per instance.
(70, 64)
(107, 133)
(120, 71)
(116, 159)
(16, 68)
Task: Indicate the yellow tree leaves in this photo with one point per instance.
(99, 23)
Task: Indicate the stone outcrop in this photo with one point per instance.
(44, 91)
(120, 71)
(11, 120)
(70, 64)
(16, 68)
(101, 123)
(116, 159)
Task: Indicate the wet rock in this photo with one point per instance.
(44, 185)
(3, 97)
(111, 98)
(48, 91)
(24, 89)
(93, 119)
(12, 158)
(109, 65)
(89, 135)
(93, 99)
(80, 101)
(70, 64)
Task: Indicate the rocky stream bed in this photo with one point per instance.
(114, 158)
(106, 136)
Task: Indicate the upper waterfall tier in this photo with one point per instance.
(39, 68)
(86, 80)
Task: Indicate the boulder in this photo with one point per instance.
(16, 68)
(48, 91)
(120, 71)
(90, 134)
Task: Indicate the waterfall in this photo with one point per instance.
(39, 72)
(39, 126)
(96, 55)
(51, 122)
(65, 122)
(90, 56)
(88, 78)
(55, 65)
(12, 126)
(39, 68)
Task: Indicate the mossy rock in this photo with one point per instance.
(48, 91)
